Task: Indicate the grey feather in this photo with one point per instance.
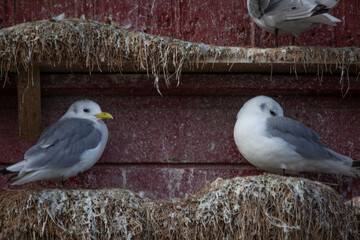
(305, 140)
(291, 16)
(258, 7)
(61, 145)
(271, 5)
(285, 10)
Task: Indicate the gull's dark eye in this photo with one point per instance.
(263, 106)
(272, 113)
(86, 110)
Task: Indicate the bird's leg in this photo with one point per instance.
(63, 183)
(283, 171)
(276, 37)
(81, 180)
(292, 41)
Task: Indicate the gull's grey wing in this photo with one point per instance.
(271, 5)
(257, 7)
(305, 140)
(284, 10)
(61, 145)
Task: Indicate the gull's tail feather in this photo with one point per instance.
(356, 167)
(324, 19)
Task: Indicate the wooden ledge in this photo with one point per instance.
(293, 60)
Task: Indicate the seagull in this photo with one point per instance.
(291, 17)
(67, 148)
(278, 144)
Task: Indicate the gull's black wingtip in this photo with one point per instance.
(5, 171)
(356, 163)
(320, 9)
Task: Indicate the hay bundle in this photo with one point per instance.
(266, 207)
(355, 203)
(76, 214)
(105, 47)
(260, 207)
(75, 42)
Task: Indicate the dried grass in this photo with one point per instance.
(77, 214)
(95, 45)
(355, 203)
(77, 42)
(259, 207)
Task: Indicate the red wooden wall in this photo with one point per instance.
(225, 23)
(173, 145)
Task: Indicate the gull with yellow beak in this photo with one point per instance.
(67, 148)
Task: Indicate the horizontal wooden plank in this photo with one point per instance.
(198, 84)
(157, 181)
(172, 181)
(290, 59)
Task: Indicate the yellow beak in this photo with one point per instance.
(104, 115)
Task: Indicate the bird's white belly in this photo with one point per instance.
(269, 154)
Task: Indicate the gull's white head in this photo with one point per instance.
(263, 105)
(86, 109)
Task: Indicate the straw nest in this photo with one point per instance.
(107, 47)
(355, 203)
(258, 207)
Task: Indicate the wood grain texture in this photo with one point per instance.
(29, 104)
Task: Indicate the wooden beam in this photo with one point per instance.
(29, 103)
(318, 60)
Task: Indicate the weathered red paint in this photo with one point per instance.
(214, 22)
(171, 145)
(173, 181)
(155, 180)
(197, 84)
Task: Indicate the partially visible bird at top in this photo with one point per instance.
(67, 148)
(291, 17)
(278, 144)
